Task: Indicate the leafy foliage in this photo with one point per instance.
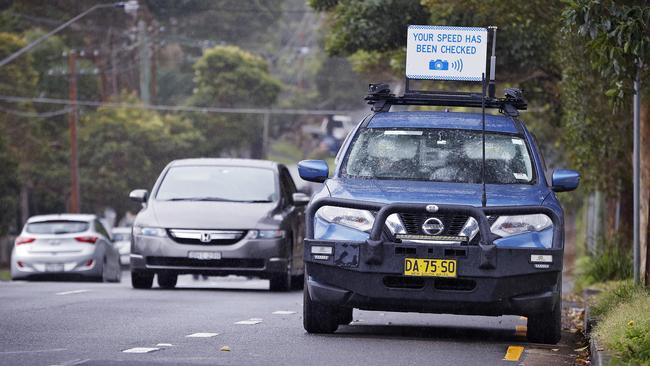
(612, 261)
(619, 39)
(123, 149)
(8, 187)
(226, 76)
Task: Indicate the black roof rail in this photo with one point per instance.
(381, 99)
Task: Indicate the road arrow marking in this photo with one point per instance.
(251, 321)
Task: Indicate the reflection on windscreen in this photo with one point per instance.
(439, 155)
(218, 183)
(57, 227)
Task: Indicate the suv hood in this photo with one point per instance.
(386, 191)
(208, 215)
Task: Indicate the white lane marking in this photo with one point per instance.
(73, 362)
(72, 292)
(164, 345)
(201, 335)
(251, 321)
(141, 350)
(33, 351)
(284, 312)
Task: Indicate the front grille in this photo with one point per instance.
(211, 263)
(206, 237)
(453, 223)
(454, 284)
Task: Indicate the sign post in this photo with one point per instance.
(446, 53)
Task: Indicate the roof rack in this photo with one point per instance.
(381, 99)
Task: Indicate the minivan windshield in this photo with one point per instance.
(441, 155)
(218, 183)
(57, 227)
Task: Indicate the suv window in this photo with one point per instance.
(441, 155)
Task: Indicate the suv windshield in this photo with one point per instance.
(218, 183)
(57, 227)
(439, 155)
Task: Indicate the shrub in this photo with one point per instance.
(611, 262)
(613, 294)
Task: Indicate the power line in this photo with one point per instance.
(35, 114)
(173, 108)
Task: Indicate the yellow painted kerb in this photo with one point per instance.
(513, 353)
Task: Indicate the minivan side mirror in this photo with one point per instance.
(300, 199)
(139, 195)
(313, 170)
(565, 180)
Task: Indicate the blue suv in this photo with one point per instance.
(436, 212)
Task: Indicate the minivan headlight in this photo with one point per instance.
(361, 220)
(149, 231)
(512, 225)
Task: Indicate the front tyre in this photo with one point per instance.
(318, 317)
(167, 280)
(546, 327)
(141, 280)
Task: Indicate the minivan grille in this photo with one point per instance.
(206, 237)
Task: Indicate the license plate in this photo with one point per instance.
(204, 255)
(430, 267)
(54, 267)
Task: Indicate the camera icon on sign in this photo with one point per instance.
(438, 65)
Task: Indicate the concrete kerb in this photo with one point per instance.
(599, 356)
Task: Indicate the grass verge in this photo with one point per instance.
(624, 325)
(5, 275)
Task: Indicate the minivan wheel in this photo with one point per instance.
(280, 282)
(546, 327)
(142, 280)
(167, 280)
(319, 317)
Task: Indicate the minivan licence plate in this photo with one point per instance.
(204, 255)
(430, 267)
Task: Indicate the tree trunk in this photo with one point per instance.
(645, 191)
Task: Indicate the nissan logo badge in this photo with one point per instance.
(433, 226)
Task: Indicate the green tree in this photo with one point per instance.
(226, 76)
(8, 187)
(618, 44)
(125, 148)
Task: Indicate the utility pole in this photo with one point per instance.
(72, 125)
(145, 63)
(636, 173)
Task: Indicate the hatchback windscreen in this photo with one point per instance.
(57, 227)
(439, 155)
(218, 183)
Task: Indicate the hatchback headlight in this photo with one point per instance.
(512, 225)
(149, 231)
(353, 218)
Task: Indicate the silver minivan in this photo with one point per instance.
(65, 246)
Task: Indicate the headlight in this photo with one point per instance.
(512, 225)
(356, 219)
(267, 234)
(149, 231)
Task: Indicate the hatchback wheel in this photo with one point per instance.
(319, 317)
(167, 280)
(141, 280)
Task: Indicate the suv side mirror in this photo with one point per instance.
(300, 199)
(313, 170)
(565, 180)
(139, 195)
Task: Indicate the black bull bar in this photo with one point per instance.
(486, 241)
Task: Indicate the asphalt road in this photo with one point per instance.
(71, 323)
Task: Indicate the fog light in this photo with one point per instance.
(541, 258)
(323, 250)
(89, 262)
(20, 264)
